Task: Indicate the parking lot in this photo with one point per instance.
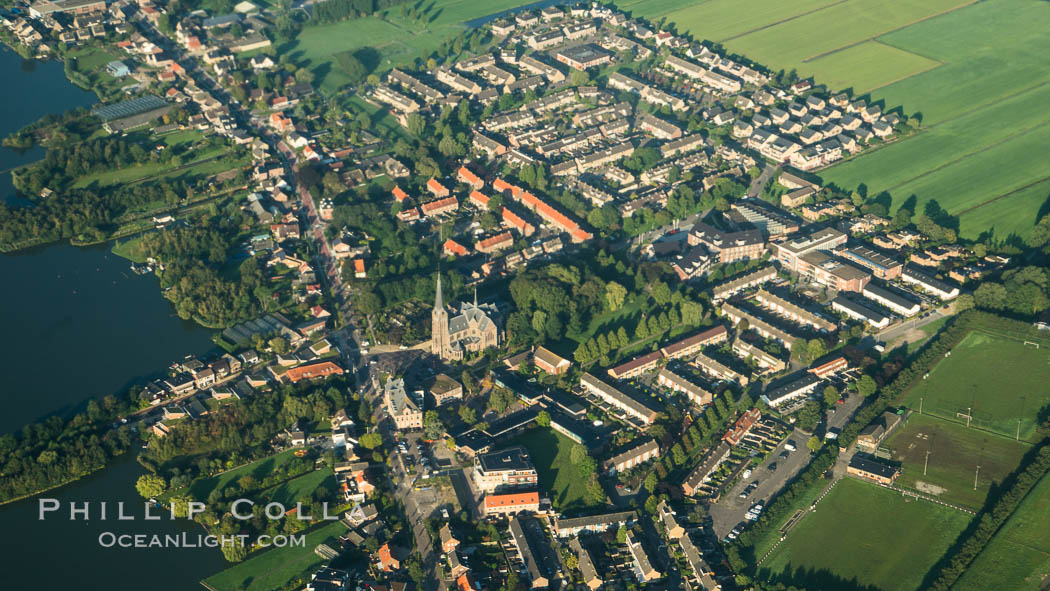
(730, 510)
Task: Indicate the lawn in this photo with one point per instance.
(274, 568)
(259, 469)
(387, 40)
(1018, 557)
(863, 536)
(300, 489)
(559, 478)
(1000, 381)
(954, 454)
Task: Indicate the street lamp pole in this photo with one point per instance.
(975, 476)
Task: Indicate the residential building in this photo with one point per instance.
(892, 299)
(503, 470)
(730, 288)
(445, 389)
(585, 564)
(639, 452)
(575, 526)
(792, 389)
(643, 568)
(742, 427)
(636, 366)
(672, 529)
(633, 408)
(692, 345)
(511, 503)
(941, 289)
(677, 383)
(794, 312)
(790, 252)
(870, 437)
(858, 311)
(703, 471)
(820, 267)
(882, 266)
(406, 412)
(550, 362)
(728, 246)
(535, 551)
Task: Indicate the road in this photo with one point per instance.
(729, 511)
(761, 180)
(899, 331)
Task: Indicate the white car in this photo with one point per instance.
(746, 474)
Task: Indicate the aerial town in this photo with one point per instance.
(564, 303)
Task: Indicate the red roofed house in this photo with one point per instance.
(463, 583)
(311, 371)
(399, 194)
(554, 217)
(742, 426)
(503, 186)
(440, 206)
(514, 221)
(280, 122)
(408, 215)
(511, 503)
(497, 242)
(359, 269)
(453, 248)
(464, 175)
(480, 199)
(831, 367)
(387, 561)
(437, 188)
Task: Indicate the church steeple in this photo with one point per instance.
(439, 299)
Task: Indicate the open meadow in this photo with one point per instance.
(863, 536)
(955, 452)
(999, 381)
(388, 39)
(1018, 557)
(975, 73)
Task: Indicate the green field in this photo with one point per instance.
(386, 40)
(559, 477)
(272, 569)
(259, 469)
(999, 381)
(865, 536)
(955, 453)
(1018, 557)
(300, 489)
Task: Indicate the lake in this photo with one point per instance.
(79, 324)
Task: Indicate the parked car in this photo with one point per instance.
(773, 467)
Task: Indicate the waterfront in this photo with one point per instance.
(79, 324)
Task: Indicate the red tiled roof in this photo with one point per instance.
(314, 370)
(490, 243)
(435, 187)
(512, 499)
(515, 220)
(469, 177)
(455, 248)
(399, 194)
(480, 198)
(440, 204)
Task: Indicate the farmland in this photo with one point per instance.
(386, 40)
(559, 477)
(890, 544)
(954, 454)
(1018, 557)
(1005, 399)
(980, 93)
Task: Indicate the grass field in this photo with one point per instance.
(955, 453)
(274, 568)
(386, 40)
(996, 379)
(559, 477)
(890, 542)
(300, 489)
(203, 487)
(1018, 557)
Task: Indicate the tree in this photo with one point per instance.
(813, 443)
(621, 534)
(150, 485)
(816, 349)
(543, 419)
(354, 69)
(615, 294)
(279, 345)
(809, 417)
(866, 386)
(468, 414)
(651, 481)
(831, 395)
(370, 441)
(990, 295)
(432, 426)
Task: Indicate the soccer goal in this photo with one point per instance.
(1031, 344)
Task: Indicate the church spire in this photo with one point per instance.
(475, 297)
(439, 300)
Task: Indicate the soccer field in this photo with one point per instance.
(1018, 557)
(955, 452)
(1000, 382)
(865, 536)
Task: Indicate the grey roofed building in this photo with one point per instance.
(634, 455)
(703, 471)
(701, 570)
(892, 299)
(222, 20)
(585, 564)
(528, 537)
(803, 386)
(635, 408)
(859, 311)
(642, 565)
(513, 458)
(129, 108)
(593, 523)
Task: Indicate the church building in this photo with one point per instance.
(470, 329)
